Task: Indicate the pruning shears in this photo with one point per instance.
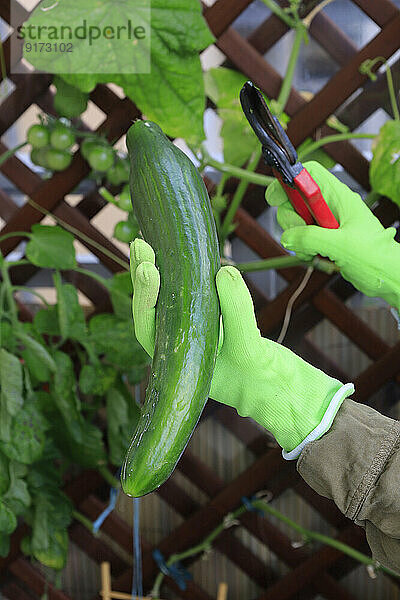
(279, 153)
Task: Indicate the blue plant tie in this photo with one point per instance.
(177, 571)
(137, 578)
(248, 503)
(109, 508)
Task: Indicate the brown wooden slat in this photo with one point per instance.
(343, 84)
(381, 12)
(222, 13)
(251, 62)
(26, 572)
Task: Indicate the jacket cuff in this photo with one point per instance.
(326, 422)
(345, 464)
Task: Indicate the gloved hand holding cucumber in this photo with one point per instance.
(351, 455)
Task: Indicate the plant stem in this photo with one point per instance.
(250, 177)
(79, 235)
(279, 12)
(284, 262)
(95, 276)
(25, 288)
(392, 94)
(288, 79)
(109, 477)
(325, 539)
(371, 198)
(337, 137)
(10, 299)
(9, 153)
(84, 520)
(237, 198)
(12, 234)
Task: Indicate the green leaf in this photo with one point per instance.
(223, 87)
(4, 545)
(173, 93)
(116, 339)
(70, 314)
(11, 382)
(34, 346)
(37, 368)
(86, 448)
(8, 520)
(27, 437)
(55, 553)
(385, 164)
(122, 418)
(52, 515)
(96, 379)
(17, 497)
(7, 336)
(46, 321)
(63, 391)
(4, 476)
(120, 287)
(52, 247)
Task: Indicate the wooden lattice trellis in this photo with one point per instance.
(311, 572)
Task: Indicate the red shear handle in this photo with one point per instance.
(315, 200)
(296, 200)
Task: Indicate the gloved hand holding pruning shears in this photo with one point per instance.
(325, 218)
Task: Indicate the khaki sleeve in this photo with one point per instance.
(357, 464)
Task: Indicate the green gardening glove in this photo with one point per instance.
(362, 248)
(261, 379)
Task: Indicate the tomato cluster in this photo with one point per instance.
(52, 141)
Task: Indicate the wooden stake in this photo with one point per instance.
(222, 591)
(106, 591)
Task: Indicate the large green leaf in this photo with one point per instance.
(223, 87)
(27, 436)
(63, 391)
(70, 314)
(116, 339)
(173, 92)
(122, 417)
(11, 382)
(8, 520)
(52, 515)
(120, 287)
(385, 164)
(52, 247)
(96, 379)
(46, 321)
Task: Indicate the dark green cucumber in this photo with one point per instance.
(174, 213)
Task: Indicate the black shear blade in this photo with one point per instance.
(260, 118)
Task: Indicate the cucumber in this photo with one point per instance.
(173, 209)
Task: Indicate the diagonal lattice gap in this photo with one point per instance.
(93, 116)
(371, 125)
(376, 313)
(381, 587)
(216, 567)
(314, 68)
(220, 450)
(336, 345)
(157, 518)
(16, 134)
(105, 221)
(292, 505)
(262, 550)
(250, 18)
(353, 21)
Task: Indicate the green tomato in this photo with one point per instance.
(119, 173)
(58, 160)
(87, 146)
(39, 157)
(124, 231)
(62, 138)
(124, 200)
(101, 158)
(38, 136)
